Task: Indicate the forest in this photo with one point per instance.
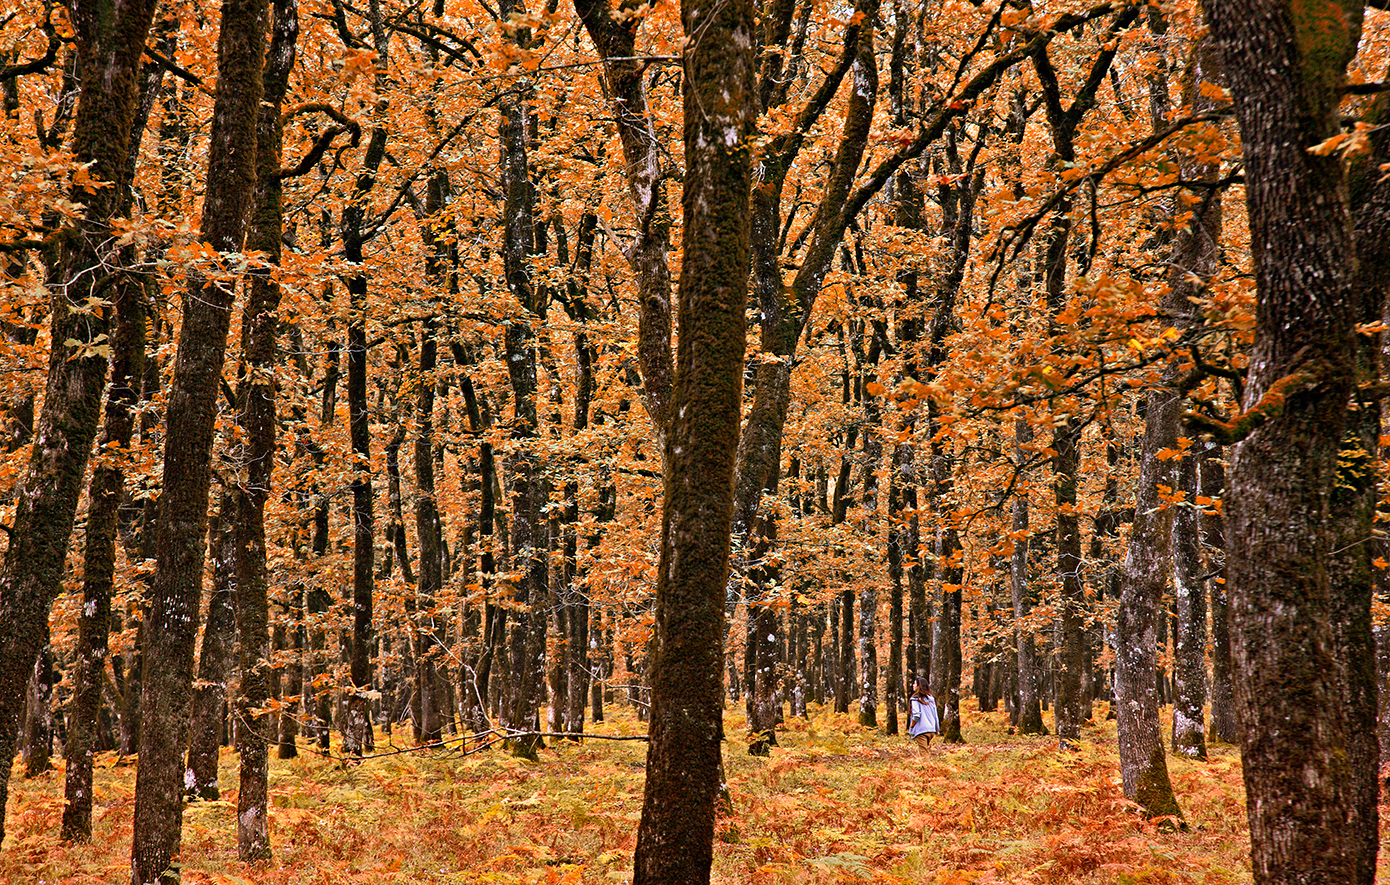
(411, 405)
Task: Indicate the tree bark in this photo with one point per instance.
(615, 37)
(104, 491)
(530, 543)
(1285, 64)
(1029, 713)
(427, 531)
(676, 835)
(1143, 766)
(1196, 255)
(256, 399)
(38, 715)
(110, 38)
(1190, 640)
(182, 527)
(1224, 727)
(868, 596)
(358, 737)
(214, 661)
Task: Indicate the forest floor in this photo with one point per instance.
(835, 803)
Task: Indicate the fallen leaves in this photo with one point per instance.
(836, 803)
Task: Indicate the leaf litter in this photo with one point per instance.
(835, 803)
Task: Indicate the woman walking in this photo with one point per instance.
(923, 721)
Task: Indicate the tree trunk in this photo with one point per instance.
(762, 676)
(38, 715)
(676, 835)
(1143, 766)
(294, 682)
(427, 531)
(219, 635)
(256, 399)
(844, 654)
(868, 596)
(1354, 579)
(110, 38)
(173, 620)
(1196, 253)
(900, 479)
(530, 544)
(1285, 63)
(1029, 713)
(1224, 727)
(104, 491)
(1190, 640)
(1066, 463)
(615, 37)
(358, 737)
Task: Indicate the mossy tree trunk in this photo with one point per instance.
(260, 322)
(1353, 577)
(104, 491)
(109, 40)
(676, 835)
(172, 626)
(1285, 63)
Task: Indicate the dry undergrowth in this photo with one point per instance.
(836, 803)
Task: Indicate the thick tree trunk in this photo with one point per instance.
(676, 835)
(1285, 64)
(110, 38)
(173, 620)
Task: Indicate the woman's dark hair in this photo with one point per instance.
(920, 687)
